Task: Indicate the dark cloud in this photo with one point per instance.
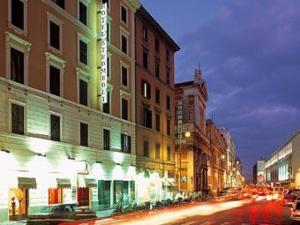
(250, 57)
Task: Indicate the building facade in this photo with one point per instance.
(59, 141)
(229, 156)
(283, 166)
(154, 108)
(216, 167)
(192, 144)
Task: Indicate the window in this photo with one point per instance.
(168, 126)
(124, 109)
(108, 32)
(106, 106)
(169, 153)
(54, 80)
(146, 89)
(124, 44)
(106, 139)
(124, 76)
(145, 59)
(168, 76)
(156, 45)
(84, 134)
(55, 128)
(17, 119)
(17, 13)
(54, 35)
(157, 151)
(123, 14)
(82, 13)
(168, 102)
(83, 92)
(157, 69)
(108, 66)
(17, 66)
(157, 122)
(60, 3)
(83, 52)
(157, 96)
(167, 55)
(147, 118)
(125, 143)
(145, 34)
(146, 148)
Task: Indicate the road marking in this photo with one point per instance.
(190, 223)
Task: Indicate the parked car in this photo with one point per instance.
(56, 214)
(295, 212)
(289, 199)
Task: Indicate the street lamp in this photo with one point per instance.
(187, 134)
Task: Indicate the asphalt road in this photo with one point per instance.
(255, 213)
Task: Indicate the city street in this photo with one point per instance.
(243, 212)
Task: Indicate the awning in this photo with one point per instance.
(63, 183)
(26, 183)
(91, 183)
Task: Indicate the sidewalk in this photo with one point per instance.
(22, 222)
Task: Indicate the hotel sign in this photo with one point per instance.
(103, 52)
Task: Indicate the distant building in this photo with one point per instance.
(283, 167)
(259, 176)
(229, 156)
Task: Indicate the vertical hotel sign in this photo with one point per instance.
(103, 51)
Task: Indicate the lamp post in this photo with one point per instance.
(187, 134)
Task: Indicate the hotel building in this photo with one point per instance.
(154, 108)
(59, 142)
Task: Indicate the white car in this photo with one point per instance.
(295, 212)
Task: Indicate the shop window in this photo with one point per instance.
(17, 13)
(121, 192)
(55, 128)
(18, 202)
(106, 139)
(55, 196)
(17, 66)
(83, 134)
(104, 193)
(125, 143)
(17, 119)
(83, 196)
(54, 80)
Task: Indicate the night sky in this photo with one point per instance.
(249, 53)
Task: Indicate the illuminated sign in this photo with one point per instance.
(103, 52)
